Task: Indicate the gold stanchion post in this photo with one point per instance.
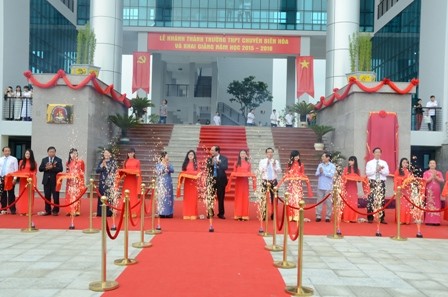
(153, 231)
(267, 198)
(285, 263)
(91, 230)
(142, 243)
(31, 227)
(103, 284)
(398, 197)
(299, 290)
(126, 260)
(336, 232)
(274, 247)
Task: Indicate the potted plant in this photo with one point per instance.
(85, 51)
(140, 107)
(124, 122)
(320, 131)
(303, 109)
(360, 50)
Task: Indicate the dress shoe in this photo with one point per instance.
(71, 227)
(113, 228)
(327, 220)
(378, 234)
(318, 220)
(419, 235)
(383, 222)
(43, 213)
(55, 214)
(222, 217)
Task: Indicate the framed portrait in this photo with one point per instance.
(60, 113)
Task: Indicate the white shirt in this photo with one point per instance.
(371, 169)
(217, 120)
(289, 118)
(250, 118)
(263, 168)
(274, 118)
(431, 111)
(11, 165)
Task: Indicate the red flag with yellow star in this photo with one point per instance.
(141, 69)
(305, 75)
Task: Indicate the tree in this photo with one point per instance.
(249, 93)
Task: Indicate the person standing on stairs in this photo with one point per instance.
(163, 113)
(269, 169)
(217, 165)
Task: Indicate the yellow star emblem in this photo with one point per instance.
(304, 64)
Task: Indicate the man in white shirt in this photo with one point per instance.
(274, 118)
(217, 119)
(289, 119)
(377, 171)
(250, 118)
(269, 169)
(8, 164)
(431, 111)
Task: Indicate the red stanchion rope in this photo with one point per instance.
(120, 223)
(312, 206)
(368, 213)
(425, 209)
(280, 226)
(130, 215)
(15, 202)
(60, 205)
(293, 234)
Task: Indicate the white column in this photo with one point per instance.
(342, 22)
(106, 19)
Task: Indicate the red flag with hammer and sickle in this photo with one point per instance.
(141, 69)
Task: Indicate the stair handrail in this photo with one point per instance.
(230, 113)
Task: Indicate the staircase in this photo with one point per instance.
(301, 139)
(148, 141)
(183, 139)
(230, 139)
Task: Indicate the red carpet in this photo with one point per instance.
(229, 225)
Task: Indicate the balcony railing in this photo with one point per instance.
(17, 108)
(425, 123)
(174, 90)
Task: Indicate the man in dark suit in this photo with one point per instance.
(50, 166)
(217, 165)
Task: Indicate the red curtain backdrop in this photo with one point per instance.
(382, 132)
(305, 75)
(141, 69)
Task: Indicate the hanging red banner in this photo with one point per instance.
(224, 43)
(141, 71)
(305, 75)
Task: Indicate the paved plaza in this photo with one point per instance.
(58, 263)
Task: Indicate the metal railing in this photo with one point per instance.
(17, 108)
(423, 123)
(175, 90)
(231, 114)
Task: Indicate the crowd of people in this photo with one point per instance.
(193, 178)
(18, 103)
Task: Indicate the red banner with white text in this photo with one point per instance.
(224, 43)
(141, 71)
(305, 75)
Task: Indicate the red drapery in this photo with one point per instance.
(109, 90)
(305, 75)
(141, 71)
(382, 132)
(353, 81)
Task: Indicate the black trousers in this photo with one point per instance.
(7, 197)
(219, 186)
(50, 189)
(377, 188)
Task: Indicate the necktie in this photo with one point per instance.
(5, 166)
(270, 171)
(51, 160)
(377, 174)
(215, 170)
